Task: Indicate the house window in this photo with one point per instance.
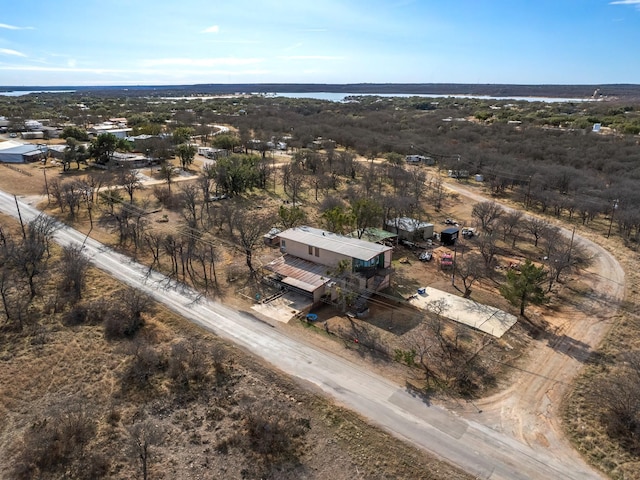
(317, 252)
(283, 245)
(310, 250)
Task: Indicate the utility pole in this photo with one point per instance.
(44, 171)
(24, 233)
(46, 184)
(573, 234)
(613, 210)
(455, 255)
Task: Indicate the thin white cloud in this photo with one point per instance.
(311, 57)
(211, 29)
(13, 27)
(238, 42)
(124, 73)
(200, 62)
(626, 2)
(35, 68)
(13, 53)
(293, 47)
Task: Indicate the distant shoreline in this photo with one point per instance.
(604, 91)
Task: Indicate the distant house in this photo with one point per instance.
(458, 173)
(313, 258)
(33, 125)
(57, 151)
(51, 132)
(212, 153)
(32, 135)
(130, 160)
(410, 228)
(109, 128)
(415, 159)
(16, 152)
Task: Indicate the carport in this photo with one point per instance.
(300, 276)
(482, 317)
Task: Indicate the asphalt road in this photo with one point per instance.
(478, 449)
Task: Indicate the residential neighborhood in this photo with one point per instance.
(285, 240)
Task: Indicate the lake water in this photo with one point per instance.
(19, 93)
(340, 97)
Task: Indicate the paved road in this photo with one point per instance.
(481, 451)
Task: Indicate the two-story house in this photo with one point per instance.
(314, 258)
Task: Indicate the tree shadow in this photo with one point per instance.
(424, 394)
(569, 346)
(366, 341)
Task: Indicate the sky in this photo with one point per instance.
(169, 42)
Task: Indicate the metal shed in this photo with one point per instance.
(448, 236)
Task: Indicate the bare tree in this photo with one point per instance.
(488, 249)
(436, 192)
(248, 233)
(204, 183)
(130, 181)
(72, 197)
(417, 188)
(510, 224)
(207, 256)
(536, 227)
(297, 182)
(487, 214)
(124, 319)
(273, 435)
(167, 173)
(143, 436)
(153, 242)
(56, 444)
(74, 272)
(190, 197)
(470, 268)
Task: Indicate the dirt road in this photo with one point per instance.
(477, 448)
(529, 409)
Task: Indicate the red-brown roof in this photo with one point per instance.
(299, 273)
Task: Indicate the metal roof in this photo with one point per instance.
(299, 273)
(408, 224)
(351, 247)
(11, 146)
(16, 148)
(372, 234)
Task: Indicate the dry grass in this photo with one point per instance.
(582, 415)
(52, 365)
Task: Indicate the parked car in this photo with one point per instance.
(446, 261)
(468, 232)
(408, 244)
(425, 256)
(215, 198)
